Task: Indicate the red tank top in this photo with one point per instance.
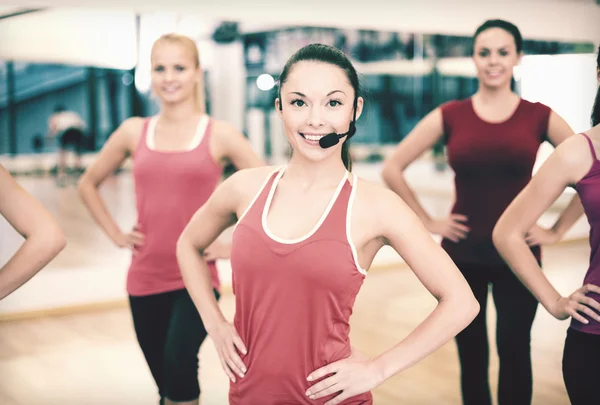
(169, 188)
(492, 163)
(294, 299)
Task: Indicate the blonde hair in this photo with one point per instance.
(190, 45)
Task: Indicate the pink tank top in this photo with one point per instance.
(169, 188)
(294, 299)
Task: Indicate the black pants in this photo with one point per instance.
(170, 332)
(581, 367)
(516, 308)
(74, 138)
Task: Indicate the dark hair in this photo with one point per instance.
(506, 26)
(332, 56)
(596, 109)
(60, 108)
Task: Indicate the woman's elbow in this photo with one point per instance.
(184, 245)
(501, 234)
(49, 240)
(466, 307)
(389, 171)
(472, 309)
(85, 184)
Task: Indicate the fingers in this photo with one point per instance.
(579, 308)
(136, 238)
(454, 235)
(590, 288)
(324, 388)
(323, 371)
(459, 217)
(342, 397)
(590, 302)
(456, 229)
(209, 256)
(234, 361)
(237, 341)
(225, 366)
(532, 241)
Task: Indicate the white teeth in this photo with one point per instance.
(313, 137)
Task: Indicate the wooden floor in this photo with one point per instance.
(93, 358)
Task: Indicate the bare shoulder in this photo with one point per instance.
(376, 203)
(573, 153)
(224, 130)
(247, 182)
(221, 126)
(129, 132)
(370, 193)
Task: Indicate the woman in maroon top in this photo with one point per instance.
(492, 140)
(575, 162)
(306, 235)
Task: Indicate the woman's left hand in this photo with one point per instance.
(349, 377)
(540, 236)
(217, 250)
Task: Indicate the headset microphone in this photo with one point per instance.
(333, 139)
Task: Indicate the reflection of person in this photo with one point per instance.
(306, 235)
(575, 162)
(69, 128)
(178, 158)
(43, 237)
(492, 140)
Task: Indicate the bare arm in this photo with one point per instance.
(565, 166)
(232, 145)
(420, 139)
(399, 227)
(43, 237)
(558, 132)
(457, 306)
(118, 148)
(217, 214)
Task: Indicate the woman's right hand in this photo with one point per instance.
(226, 339)
(577, 302)
(131, 240)
(452, 227)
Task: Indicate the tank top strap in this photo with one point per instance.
(334, 224)
(591, 145)
(201, 140)
(253, 213)
(142, 145)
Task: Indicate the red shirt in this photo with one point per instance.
(293, 300)
(169, 188)
(492, 163)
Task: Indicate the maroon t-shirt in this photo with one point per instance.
(492, 163)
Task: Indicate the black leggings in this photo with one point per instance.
(516, 308)
(72, 137)
(170, 332)
(581, 367)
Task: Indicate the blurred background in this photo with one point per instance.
(93, 58)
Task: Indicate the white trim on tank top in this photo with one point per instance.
(349, 223)
(260, 190)
(267, 207)
(198, 135)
